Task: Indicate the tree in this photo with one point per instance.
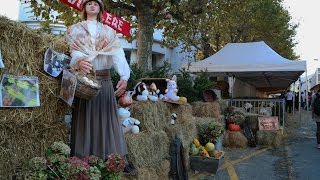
(218, 22)
(144, 14)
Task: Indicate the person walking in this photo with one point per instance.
(315, 104)
(289, 101)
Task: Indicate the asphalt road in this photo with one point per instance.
(295, 159)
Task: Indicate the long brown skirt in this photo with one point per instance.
(96, 129)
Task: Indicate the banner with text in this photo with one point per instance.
(118, 24)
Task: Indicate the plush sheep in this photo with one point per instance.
(171, 91)
(129, 124)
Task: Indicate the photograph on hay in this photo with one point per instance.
(19, 91)
(55, 62)
(68, 87)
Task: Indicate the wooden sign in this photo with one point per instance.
(268, 123)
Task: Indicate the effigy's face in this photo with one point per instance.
(92, 8)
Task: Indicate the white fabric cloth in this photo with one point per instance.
(115, 57)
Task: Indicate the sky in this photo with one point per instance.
(304, 12)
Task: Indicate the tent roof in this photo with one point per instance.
(255, 63)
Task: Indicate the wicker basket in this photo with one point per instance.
(84, 89)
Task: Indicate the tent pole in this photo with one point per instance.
(299, 100)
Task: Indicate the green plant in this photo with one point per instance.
(193, 89)
(210, 132)
(58, 165)
(232, 116)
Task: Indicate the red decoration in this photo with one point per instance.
(234, 127)
(118, 24)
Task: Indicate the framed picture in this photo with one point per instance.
(268, 123)
(68, 87)
(19, 91)
(55, 62)
(1, 61)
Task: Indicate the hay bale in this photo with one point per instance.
(269, 138)
(235, 140)
(155, 116)
(206, 109)
(27, 132)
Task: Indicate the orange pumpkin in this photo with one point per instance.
(234, 127)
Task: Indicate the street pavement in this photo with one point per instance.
(295, 159)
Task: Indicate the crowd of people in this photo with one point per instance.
(292, 100)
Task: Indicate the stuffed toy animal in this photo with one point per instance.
(140, 92)
(129, 124)
(171, 91)
(153, 92)
(173, 118)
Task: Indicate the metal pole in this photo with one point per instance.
(299, 100)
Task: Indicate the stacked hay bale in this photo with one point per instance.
(207, 109)
(149, 150)
(27, 132)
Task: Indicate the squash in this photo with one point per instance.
(209, 147)
(196, 142)
(234, 127)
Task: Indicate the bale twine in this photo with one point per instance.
(234, 140)
(27, 132)
(206, 109)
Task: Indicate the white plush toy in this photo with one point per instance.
(140, 92)
(171, 91)
(129, 124)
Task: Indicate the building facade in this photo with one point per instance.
(160, 54)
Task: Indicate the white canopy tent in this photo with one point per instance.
(255, 63)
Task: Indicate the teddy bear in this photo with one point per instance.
(129, 124)
(153, 92)
(140, 92)
(171, 91)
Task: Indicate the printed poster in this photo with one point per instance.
(19, 91)
(55, 62)
(1, 61)
(68, 87)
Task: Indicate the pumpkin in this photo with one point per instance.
(234, 127)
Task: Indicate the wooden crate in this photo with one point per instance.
(210, 165)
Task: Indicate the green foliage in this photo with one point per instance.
(210, 132)
(160, 71)
(211, 24)
(193, 89)
(185, 85)
(232, 116)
